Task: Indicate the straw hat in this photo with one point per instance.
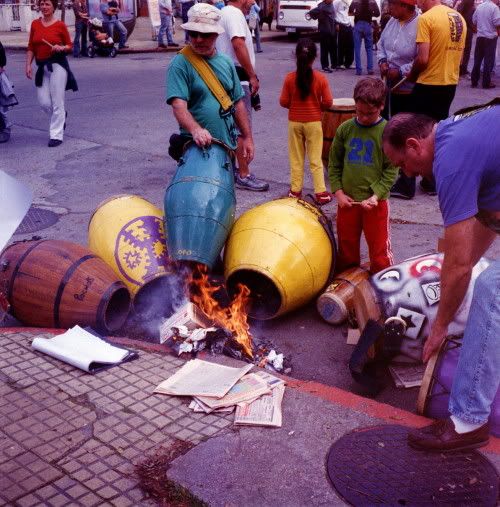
(203, 18)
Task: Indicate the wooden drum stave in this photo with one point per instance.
(342, 110)
(436, 386)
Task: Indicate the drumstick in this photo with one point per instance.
(399, 83)
(48, 43)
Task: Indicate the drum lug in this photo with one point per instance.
(4, 265)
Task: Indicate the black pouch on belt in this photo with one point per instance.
(176, 145)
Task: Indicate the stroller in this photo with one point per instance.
(100, 43)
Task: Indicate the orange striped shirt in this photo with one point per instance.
(320, 98)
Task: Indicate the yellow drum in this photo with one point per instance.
(128, 233)
(282, 252)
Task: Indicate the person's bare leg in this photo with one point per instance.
(243, 169)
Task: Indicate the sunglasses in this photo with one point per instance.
(194, 35)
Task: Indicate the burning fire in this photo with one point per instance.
(232, 318)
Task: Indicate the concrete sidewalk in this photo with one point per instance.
(71, 438)
(141, 40)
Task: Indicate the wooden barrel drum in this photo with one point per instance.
(60, 284)
(336, 304)
(341, 111)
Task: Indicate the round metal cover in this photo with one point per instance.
(37, 219)
(375, 466)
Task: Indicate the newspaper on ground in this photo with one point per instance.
(201, 378)
(197, 407)
(407, 375)
(248, 388)
(265, 411)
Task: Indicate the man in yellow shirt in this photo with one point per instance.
(441, 35)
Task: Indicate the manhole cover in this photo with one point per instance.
(375, 466)
(37, 219)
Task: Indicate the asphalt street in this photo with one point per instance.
(116, 143)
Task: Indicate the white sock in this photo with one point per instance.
(462, 426)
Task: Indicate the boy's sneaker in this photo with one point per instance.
(327, 70)
(297, 195)
(322, 198)
(250, 182)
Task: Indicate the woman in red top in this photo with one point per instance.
(305, 94)
(48, 44)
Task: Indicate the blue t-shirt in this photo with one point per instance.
(185, 83)
(467, 164)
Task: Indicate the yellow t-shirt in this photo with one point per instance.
(444, 29)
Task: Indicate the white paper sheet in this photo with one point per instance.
(15, 201)
(81, 349)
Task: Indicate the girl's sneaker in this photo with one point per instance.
(323, 198)
(297, 195)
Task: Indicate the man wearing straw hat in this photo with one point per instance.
(462, 154)
(196, 109)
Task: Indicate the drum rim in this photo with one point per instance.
(428, 379)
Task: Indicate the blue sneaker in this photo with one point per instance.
(250, 182)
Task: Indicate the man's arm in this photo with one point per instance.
(465, 242)
(185, 119)
(243, 125)
(241, 52)
(421, 61)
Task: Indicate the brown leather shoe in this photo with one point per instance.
(441, 436)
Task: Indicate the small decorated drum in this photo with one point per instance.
(336, 304)
(341, 111)
(436, 386)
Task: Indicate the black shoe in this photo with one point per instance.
(65, 119)
(428, 187)
(54, 142)
(173, 45)
(398, 194)
(491, 85)
(4, 136)
(163, 46)
(473, 85)
(327, 70)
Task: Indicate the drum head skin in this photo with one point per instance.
(341, 102)
(375, 466)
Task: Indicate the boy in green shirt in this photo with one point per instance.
(361, 177)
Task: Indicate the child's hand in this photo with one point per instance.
(343, 200)
(370, 203)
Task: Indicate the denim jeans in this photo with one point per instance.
(121, 29)
(485, 49)
(363, 30)
(80, 33)
(478, 372)
(165, 27)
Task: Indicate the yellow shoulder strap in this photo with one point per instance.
(208, 75)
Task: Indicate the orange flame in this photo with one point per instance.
(233, 318)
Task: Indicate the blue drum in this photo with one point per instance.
(200, 204)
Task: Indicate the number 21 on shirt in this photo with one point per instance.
(361, 151)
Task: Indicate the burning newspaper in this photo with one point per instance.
(201, 378)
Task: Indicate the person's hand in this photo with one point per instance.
(57, 48)
(434, 340)
(393, 75)
(370, 203)
(29, 72)
(201, 137)
(343, 200)
(254, 85)
(248, 149)
(384, 67)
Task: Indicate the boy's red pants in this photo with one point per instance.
(375, 224)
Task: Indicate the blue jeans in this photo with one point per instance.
(363, 30)
(478, 372)
(121, 29)
(165, 27)
(80, 33)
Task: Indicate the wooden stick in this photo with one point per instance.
(399, 83)
(48, 43)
